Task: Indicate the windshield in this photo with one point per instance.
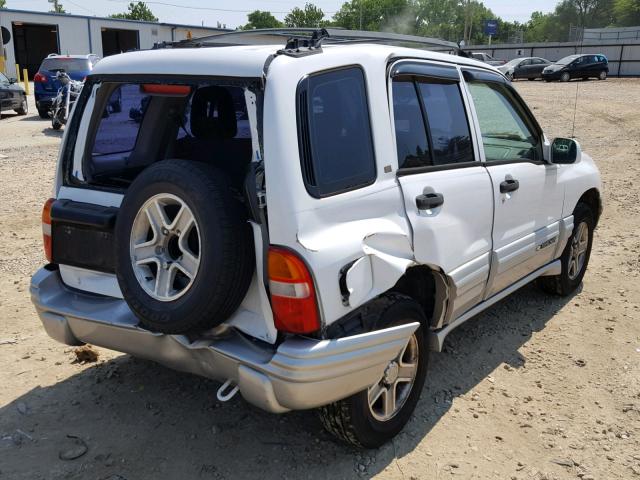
(66, 64)
(567, 60)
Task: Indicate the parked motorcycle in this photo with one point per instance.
(65, 99)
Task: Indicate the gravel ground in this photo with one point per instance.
(537, 387)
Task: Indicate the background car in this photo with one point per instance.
(12, 96)
(527, 67)
(577, 66)
(45, 85)
(486, 58)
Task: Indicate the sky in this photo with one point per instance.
(234, 13)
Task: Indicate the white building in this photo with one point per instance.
(34, 35)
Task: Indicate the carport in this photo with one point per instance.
(32, 42)
(116, 41)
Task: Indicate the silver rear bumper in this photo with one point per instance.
(300, 373)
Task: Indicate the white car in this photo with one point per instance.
(305, 224)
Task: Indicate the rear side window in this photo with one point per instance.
(411, 137)
(430, 122)
(334, 132)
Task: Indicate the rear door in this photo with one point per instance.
(527, 196)
(446, 190)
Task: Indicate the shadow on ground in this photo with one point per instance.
(142, 421)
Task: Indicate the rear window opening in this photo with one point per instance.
(67, 64)
(136, 124)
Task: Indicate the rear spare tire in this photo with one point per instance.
(184, 248)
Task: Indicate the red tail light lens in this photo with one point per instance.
(293, 296)
(46, 228)
(40, 78)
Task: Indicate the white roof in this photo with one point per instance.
(246, 61)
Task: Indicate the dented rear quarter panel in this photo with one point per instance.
(333, 231)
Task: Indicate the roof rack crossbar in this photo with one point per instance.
(311, 35)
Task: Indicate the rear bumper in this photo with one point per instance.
(300, 373)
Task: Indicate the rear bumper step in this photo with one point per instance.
(301, 373)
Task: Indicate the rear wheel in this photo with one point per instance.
(373, 417)
(575, 257)
(603, 75)
(43, 113)
(531, 79)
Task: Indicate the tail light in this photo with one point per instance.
(40, 78)
(293, 296)
(46, 228)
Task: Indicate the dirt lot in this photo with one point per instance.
(535, 388)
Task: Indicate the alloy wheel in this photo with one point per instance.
(578, 252)
(388, 396)
(165, 247)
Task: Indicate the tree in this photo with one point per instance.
(137, 11)
(260, 19)
(376, 15)
(3, 3)
(627, 12)
(57, 8)
(311, 16)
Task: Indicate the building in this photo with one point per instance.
(34, 35)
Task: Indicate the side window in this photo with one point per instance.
(447, 122)
(505, 133)
(120, 123)
(411, 137)
(334, 132)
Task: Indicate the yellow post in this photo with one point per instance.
(2, 67)
(25, 79)
(17, 72)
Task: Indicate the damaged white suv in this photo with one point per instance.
(305, 224)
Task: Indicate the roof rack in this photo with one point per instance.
(309, 40)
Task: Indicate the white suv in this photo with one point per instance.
(305, 224)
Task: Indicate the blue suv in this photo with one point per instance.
(45, 84)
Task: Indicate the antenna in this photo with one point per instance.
(575, 105)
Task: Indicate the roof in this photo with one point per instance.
(110, 19)
(248, 61)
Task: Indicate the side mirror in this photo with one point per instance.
(13, 80)
(564, 150)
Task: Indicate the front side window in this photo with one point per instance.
(505, 133)
(336, 145)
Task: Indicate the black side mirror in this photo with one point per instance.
(564, 150)
(13, 80)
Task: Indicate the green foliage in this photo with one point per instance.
(57, 8)
(376, 15)
(627, 12)
(3, 4)
(310, 16)
(260, 19)
(456, 20)
(137, 11)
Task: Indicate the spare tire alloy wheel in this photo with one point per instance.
(165, 252)
(184, 249)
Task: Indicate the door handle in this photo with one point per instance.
(427, 201)
(509, 185)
